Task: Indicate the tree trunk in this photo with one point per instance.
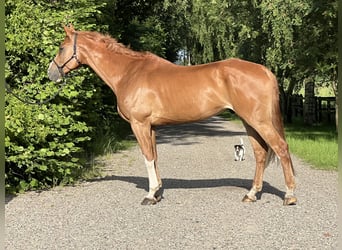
(336, 114)
(285, 96)
(334, 86)
(309, 103)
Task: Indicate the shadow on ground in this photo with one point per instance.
(180, 134)
(171, 183)
(9, 198)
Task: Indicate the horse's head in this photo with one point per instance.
(67, 58)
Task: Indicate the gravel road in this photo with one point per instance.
(201, 209)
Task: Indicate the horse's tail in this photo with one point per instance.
(277, 121)
(276, 113)
(271, 157)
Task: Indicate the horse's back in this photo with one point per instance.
(167, 93)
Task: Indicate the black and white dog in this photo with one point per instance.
(239, 151)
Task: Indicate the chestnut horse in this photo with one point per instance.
(151, 92)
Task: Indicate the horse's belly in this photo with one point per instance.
(178, 113)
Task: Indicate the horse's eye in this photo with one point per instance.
(61, 49)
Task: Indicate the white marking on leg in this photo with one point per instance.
(252, 193)
(152, 179)
(289, 192)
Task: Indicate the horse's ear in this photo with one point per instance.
(69, 30)
(71, 27)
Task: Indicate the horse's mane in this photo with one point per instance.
(112, 44)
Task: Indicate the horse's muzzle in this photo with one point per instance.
(53, 73)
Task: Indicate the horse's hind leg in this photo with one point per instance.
(260, 153)
(280, 147)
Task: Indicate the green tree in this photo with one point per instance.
(317, 46)
(217, 29)
(143, 25)
(281, 23)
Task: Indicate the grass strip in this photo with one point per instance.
(316, 145)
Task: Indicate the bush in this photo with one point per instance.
(46, 145)
(42, 144)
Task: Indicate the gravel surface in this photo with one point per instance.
(201, 209)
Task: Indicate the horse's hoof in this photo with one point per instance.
(248, 199)
(290, 201)
(149, 201)
(159, 194)
(158, 197)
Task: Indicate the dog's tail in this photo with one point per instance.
(241, 141)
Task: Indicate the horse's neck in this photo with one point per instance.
(109, 66)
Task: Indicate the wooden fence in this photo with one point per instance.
(324, 108)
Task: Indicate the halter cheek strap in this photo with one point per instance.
(74, 56)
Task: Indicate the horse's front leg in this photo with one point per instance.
(159, 194)
(146, 139)
(155, 192)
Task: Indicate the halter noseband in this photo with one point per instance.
(74, 56)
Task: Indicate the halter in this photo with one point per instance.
(74, 56)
